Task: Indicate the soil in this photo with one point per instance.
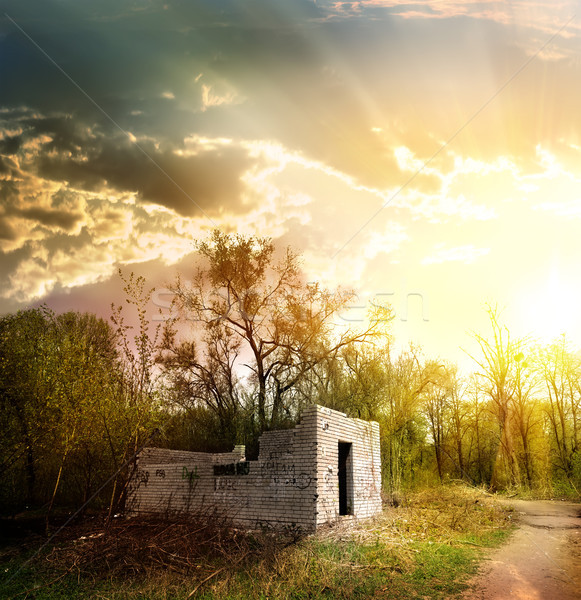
(542, 559)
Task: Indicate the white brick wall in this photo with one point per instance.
(364, 476)
(294, 482)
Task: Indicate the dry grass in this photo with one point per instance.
(137, 547)
(424, 545)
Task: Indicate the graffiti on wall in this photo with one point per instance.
(302, 481)
(190, 475)
(142, 477)
(239, 468)
(280, 473)
(224, 484)
(295, 477)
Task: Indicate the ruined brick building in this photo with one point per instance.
(327, 467)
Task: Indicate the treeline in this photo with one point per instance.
(246, 346)
(73, 407)
(513, 424)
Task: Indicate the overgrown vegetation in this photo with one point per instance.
(424, 548)
(67, 413)
(249, 343)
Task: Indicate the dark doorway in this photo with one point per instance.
(345, 479)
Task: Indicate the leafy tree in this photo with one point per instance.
(24, 397)
(459, 424)
(58, 388)
(482, 444)
(261, 332)
(560, 368)
(527, 420)
(140, 411)
(72, 403)
(82, 363)
(404, 434)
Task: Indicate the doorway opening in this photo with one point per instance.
(345, 479)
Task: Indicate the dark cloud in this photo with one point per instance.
(209, 181)
(9, 145)
(62, 242)
(52, 218)
(314, 84)
(84, 156)
(9, 261)
(9, 189)
(6, 230)
(273, 53)
(7, 165)
(66, 134)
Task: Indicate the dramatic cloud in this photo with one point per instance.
(202, 181)
(423, 150)
(52, 218)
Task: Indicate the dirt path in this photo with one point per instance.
(541, 561)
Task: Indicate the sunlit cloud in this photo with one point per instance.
(554, 188)
(443, 208)
(447, 199)
(538, 14)
(571, 208)
(285, 194)
(464, 254)
(386, 242)
(212, 98)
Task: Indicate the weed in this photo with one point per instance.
(424, 548)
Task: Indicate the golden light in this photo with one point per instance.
(553, 310)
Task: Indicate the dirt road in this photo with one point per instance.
(541, 561)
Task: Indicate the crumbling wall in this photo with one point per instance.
(294, 482)
(174, 481)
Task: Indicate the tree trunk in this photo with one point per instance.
(30, 469)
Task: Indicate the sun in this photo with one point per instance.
(553, 309)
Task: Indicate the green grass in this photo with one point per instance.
(425, 549)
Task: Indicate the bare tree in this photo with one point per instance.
(438, 395)
(561, 371)
(497, 365)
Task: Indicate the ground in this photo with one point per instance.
(541, 561)
(425, 548)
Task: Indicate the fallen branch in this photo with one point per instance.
(204, 581)
(214, 575)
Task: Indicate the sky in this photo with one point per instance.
(426, 153)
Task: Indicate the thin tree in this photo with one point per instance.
(497, 376)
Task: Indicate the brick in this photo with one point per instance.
(296, 478)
